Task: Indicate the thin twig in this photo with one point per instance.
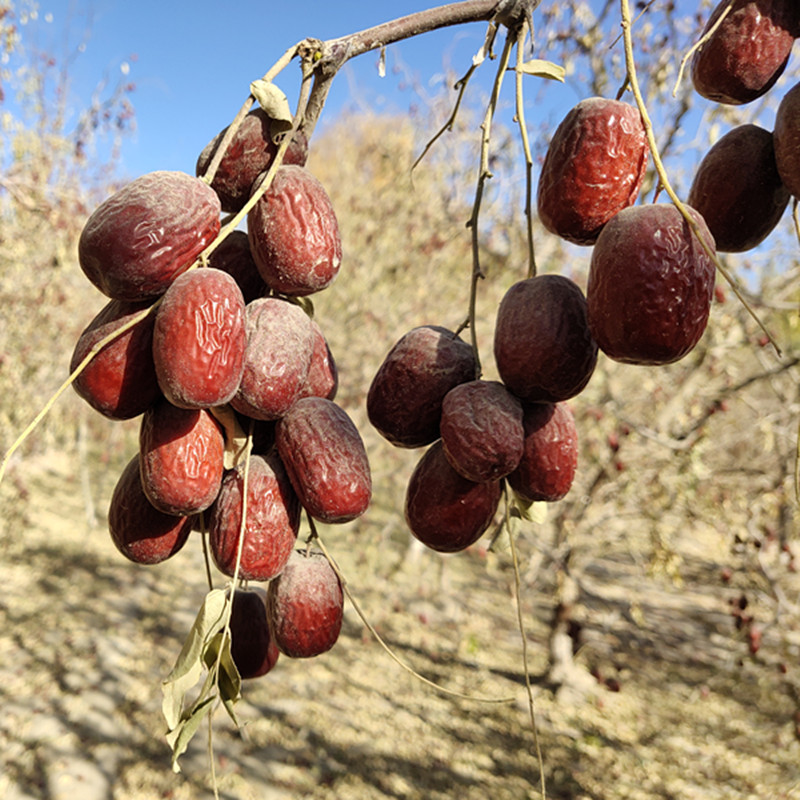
(45, 410)
(346, 589)
(461, 85)
(483, 175)
(524, 639)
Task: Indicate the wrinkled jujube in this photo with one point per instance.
(550, 453)
(251, 152)
(280, 342)
(650, 285)
(543, 348)
(443, 509)
(252, 647)
(747, 52)
(199, 339)
(273, 519)
(140, 531)
(481, 429)
(738, 191)
(294, 234)
(141, 238)
(404, 402)
(325, 459)
(120, 381)
(305, 606)
(181, 452)
(594, 167)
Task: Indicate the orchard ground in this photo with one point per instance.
(684, 711)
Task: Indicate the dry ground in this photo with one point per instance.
(86, 639)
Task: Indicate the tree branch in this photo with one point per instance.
(329, 57)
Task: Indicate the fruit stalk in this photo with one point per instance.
(317, 540)
(507, 524)
(633, 81)
(526, 147)
(484, 174)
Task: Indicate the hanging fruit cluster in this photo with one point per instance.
(218, 353)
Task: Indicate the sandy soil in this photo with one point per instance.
(86, 639)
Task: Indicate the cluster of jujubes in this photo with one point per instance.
(206, 340)
(647, 302)
(648, 294)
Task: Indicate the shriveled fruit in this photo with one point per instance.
(786, 137)
(305, 606)
(251, 152)
(481, 430)
(550, 453)
(404, 401)
(747, 52)
(252, 647)
(594, 167)
(199, 339)
(140, 531)
(323, 375)
(650, 285)
(141, 238)
(181, 452)
(233, 256)
(280, 341)
(325, 459)
(444, 510)
(543, 348)
(120, 381)
(294, 234)
(273, 519)
(738, 191)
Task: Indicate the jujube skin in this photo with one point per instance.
(650, 285)
(747, 52)
(594, 167)
(141, 238)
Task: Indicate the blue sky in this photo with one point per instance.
(192, 69)
(192, 63)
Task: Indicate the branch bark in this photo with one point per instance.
(328, 57)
